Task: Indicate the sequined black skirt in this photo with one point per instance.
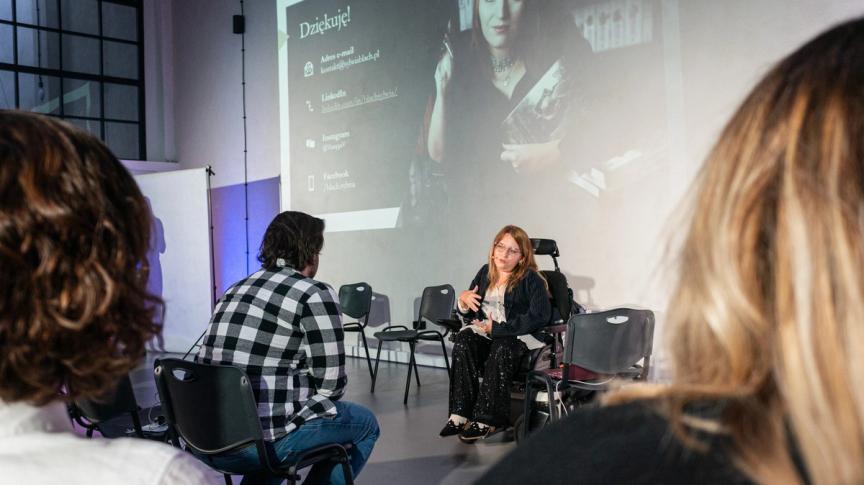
(496, 362)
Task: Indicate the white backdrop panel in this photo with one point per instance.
(180, 258)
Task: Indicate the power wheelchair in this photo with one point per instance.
(549, 356)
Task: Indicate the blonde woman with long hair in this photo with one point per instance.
(766, 325)
(506, 303)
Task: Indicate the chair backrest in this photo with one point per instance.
(560, 293)
(211, 407)
(356, 300)
(436, 304)
(610, 342)
(118, 401)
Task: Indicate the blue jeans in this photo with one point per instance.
(352, 424)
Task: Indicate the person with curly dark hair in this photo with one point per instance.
(74, 309)
(284, 329)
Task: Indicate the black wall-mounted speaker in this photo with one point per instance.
(239, 24)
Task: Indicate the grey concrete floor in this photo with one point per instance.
(409, 450)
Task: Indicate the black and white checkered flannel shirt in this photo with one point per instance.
(285, 331)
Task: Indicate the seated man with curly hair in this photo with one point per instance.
(74, 309)
(284, 328)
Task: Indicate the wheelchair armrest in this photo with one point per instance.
(539, 377)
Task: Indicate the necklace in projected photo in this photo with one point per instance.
(502, 65)
(503, 69)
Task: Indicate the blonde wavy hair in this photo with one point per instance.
(526, 258)
(768, 314)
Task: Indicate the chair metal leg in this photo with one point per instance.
(375, 374)
(346, 469)
(411, 365)
(416, 371)
(136, 425)
(366, 347)
(172, 438)
(227, 479)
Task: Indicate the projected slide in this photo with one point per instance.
(419, 128)
(398, 112)
(358, 77)
(579, 120)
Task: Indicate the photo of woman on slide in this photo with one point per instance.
(503, 90)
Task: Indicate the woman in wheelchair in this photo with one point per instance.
(507, 303)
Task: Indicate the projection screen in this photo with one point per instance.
(589, 132)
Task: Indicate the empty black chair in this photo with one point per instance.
(356, 302)
(212, 409)
(114, 415)
(598, 349)
(436, 306)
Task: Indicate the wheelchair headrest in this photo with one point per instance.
(545, 247)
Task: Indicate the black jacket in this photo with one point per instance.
(527, 306)
(626, 444)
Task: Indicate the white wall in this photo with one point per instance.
(203, 81)
(207, 91)
(721, 48)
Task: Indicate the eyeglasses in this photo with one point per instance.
(507, 251)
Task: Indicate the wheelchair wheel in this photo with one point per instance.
(538, 420)
(519, 429)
